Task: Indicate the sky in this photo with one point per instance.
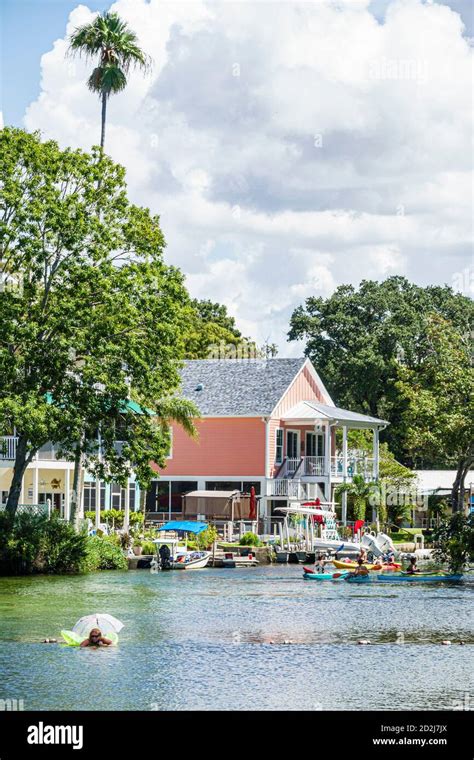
(288, 147)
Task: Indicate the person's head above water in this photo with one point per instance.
(95, 635)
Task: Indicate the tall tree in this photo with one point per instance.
(116, 46)
(92, 316)
(439, 401)
(359, 337)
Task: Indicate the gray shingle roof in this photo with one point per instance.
(242, 387)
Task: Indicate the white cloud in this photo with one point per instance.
(288, 147)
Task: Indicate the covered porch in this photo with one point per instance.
(310, 456)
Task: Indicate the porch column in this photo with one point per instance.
(97, 504)
(327, 452)
(67, 495)
(344, 452)
(344, 508)
(376, 453)
(126, 516)
(22, 491)
(327, 448)
(35, 484)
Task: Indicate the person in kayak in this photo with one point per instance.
(362, 555)
(360, 570)
(319, 566)
(412, 568)
(96, 640)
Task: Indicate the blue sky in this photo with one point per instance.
(288, 147)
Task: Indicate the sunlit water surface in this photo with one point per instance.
(237, 639)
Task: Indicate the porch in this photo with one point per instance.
(312, 453)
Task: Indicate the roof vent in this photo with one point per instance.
(198, 387)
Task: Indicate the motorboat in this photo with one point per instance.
(191, 560)
(170, 555)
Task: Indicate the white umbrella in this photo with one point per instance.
(105, 623)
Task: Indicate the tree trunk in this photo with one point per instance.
(22, 460)
(104, 109)
(75, 484)
(458, 489)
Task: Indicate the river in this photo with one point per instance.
(237, 639)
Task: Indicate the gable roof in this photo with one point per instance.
(237, 387)
(310, 410)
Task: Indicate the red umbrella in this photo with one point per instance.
(253, 505)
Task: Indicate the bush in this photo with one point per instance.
(148, 547)
(103, 554)
(36, 543)
(454, 542)
(115, 517)
(250, 539)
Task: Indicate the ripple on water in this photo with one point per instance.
(242, 639)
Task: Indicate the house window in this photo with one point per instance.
(278, 445)
(170, 454)
(115, 496)
(132, 492)
(314, 445)
(223, 485)
(4, 496)
(292, 444)
(247, 485)
(89, 496)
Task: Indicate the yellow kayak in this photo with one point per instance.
(351, 565)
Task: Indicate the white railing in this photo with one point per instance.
(8, 447)
(358, 465)
(47, 453)
(314, 466)
(293, 489)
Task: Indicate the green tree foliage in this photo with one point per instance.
(438, 396)
(38, 544)
(209, 325)
(91, 316)
(359, 494)
(115, 45)
(358, 339)
(453, 542)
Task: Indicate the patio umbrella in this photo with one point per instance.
(105, 623)
(253, 505)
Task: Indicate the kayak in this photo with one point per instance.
(353, 565)
(420, 578)
(399, 578)
(324, 576)
(73, 639)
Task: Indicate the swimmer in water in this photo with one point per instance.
(96, 639)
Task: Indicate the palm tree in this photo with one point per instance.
(116, 45)
(359, 492)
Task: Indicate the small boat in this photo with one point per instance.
(191, 560)
(419, 578)
(324, 576)
(400, 578)
(352, 565)
(237, 560)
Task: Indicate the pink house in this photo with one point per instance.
(270, 424)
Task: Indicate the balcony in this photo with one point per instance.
(293, 489)
(357, 464)
(8, 447)
(47, 453)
